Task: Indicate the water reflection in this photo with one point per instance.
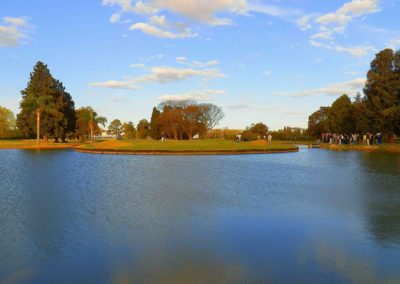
(380, 183)
(347, 267)
(68, 217)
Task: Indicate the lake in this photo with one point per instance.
(312, 216)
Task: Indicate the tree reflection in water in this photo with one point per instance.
(382, 198)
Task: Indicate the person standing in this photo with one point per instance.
(269, 139)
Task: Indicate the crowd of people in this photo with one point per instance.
(355, 138)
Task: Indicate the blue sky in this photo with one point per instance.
(271, 61)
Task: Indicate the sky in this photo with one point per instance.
(272, 61)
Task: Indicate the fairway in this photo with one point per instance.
(184, 147)
(31, 144)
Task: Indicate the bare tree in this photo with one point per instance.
(212, 115)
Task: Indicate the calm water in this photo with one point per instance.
(312, 216)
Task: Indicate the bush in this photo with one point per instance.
(248, 135)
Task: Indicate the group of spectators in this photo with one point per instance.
(366, 139)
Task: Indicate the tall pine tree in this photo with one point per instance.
(155, 130)
(57, 111)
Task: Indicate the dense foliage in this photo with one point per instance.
(129, 130)
(87, 123)
(46, 108)
(7, 123)
(180, 120)
(255, 132)
(377, 111)
(143, 129)
(115, 128)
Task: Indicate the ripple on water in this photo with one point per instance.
(313, 215)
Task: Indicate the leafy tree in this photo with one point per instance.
(183, 119)
(155, 128)
(64, 123)
(7, 122)
(361, 123)
(260, 129)
(56, 123)
(129, 130)
(40, 105)
(382, 92)
(191, 123)
(143, 129)
(318, 122)
(41, 83)
(88, 121)
(341, 116)
(115, 128)
(170, 121)
(248, 135)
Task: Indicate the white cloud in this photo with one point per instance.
(360, 7)
(350, 10)
(205, 12)
(245, 106)
(195, 63)
(15, 21)
(355, 51)
(12, 32)
(126, 6)
(138, 65)
(171, 74)
(160, 75)
(318, 60)
(334, 18)
(394, 43)
(337, 89)
(115, 18)
(336, 22)
(205, 95)
(159, 20)
(274, 10)
(267, 73)
(160, 32)
(201, 11)
(115, 85)
(181, 59)
(157, 57)
(352, 73)
(205, 64)
(304, 22)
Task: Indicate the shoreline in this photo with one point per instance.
(185, 152)
(383, 148)
(40, 147)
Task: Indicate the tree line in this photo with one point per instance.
(377, 110)
(47, 110)
(177, 120)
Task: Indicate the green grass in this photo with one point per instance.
(212, 145)
(194, 145)
(31, 144)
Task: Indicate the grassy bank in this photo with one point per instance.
(384, 148)
(31, 144)
(184, 147)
